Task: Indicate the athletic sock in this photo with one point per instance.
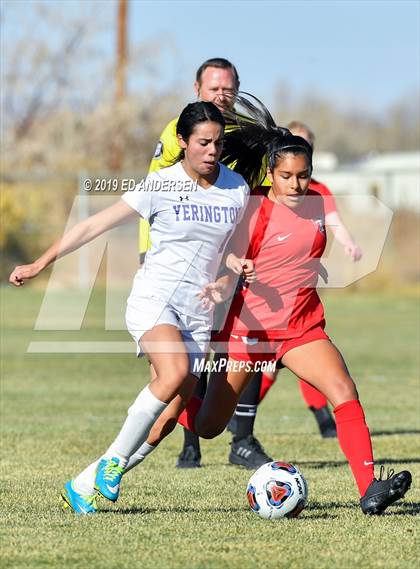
(191, 439)
(85, 481)
(354, 438)
(246, 409)
(139, 456)
(312, 396)
(135, 430)
(141, 416)
(267, 383)
(188, 415)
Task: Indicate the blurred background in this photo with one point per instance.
(87, 87)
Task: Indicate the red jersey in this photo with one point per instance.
(286, 246)
(329, 201)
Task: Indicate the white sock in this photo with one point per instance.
(141, 417)
(84, 483)
(139, 456)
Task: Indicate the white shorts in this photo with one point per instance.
(143, 314)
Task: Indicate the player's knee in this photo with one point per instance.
(209, 430)
(173, 378)
(344, 388)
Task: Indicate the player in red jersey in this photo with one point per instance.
(315, 400)
(280, 317)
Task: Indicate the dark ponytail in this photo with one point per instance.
(254, 141)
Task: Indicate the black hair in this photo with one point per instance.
(254, 141)
(220, 63)
(193, 114)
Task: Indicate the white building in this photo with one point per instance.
(394, 178)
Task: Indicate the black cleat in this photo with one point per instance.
(248, 452)
(190, 457)
(382, 493)
(325, 422)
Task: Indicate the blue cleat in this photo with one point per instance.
(108, 478)
(80, 503)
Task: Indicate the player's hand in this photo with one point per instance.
(242, 267)
(353, 251)
(323, 273)
(214, 293)
(23, 273)
(248, 271)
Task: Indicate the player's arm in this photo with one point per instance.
(76, 237)
(239, 252)
(343, 236)
(334, 221)
(234, 264)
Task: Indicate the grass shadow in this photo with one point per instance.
(411, 460)
(333, 506)
(402, 508)
(405, 509)
(395, 432)
(323, 464)
(148, 511)
(312, 511)
(320, 516)
(338, 463)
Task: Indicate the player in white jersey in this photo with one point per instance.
(184, 254)
(193, 208)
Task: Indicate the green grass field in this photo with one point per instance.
(60, 411)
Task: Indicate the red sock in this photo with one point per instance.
(312, 396)
(354, 438)
(187, 417)
(266, 383)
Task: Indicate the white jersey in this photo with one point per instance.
(190, 227)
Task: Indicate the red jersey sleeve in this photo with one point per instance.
(329, 200)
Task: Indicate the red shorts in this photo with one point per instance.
(252, 350)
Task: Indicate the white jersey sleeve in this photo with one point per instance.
(142, 198)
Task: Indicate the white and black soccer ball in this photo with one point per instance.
(276, 490)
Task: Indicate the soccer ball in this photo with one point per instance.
(276, 490)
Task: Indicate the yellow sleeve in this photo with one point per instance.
(166, 153)
(167, 149)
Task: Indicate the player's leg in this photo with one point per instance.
(321, 364)
(314, 399)
(210, 415)
(208, 418)
(318, 404)
(268, 379)
(195, 335)
(172, 373)
(146, 448)
(190, 455)
(246, 450)
(165, 423)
